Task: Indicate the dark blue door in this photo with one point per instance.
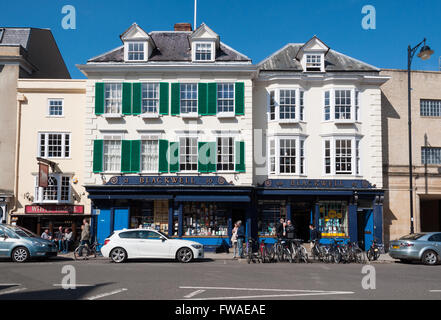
(120, 218)
(368, 228)
(104, 225)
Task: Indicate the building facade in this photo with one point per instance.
(168, 134)
(51, 122)
(317, 114)
(426, 152)
(24, 53)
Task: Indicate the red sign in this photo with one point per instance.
(43, 174)
(60, 209)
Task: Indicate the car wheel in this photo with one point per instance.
(430, 257)
(20, 254)
(118, 255)
(184, 255)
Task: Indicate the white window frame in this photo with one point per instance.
(197, 153)
(355, 105)
(320, 64)
(276, 155)
(113, 114)
(221, 114)
(148, 114)
(126, 50)
(234, 152)
(355, 141)
(193, 114)
(112, 137)
(46, 145)
(212, 51)
(39, 191)
(297, 118)
(49, 108)
(143, 139)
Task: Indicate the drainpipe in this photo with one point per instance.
(20, 99)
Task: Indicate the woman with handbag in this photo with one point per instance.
(234, 240)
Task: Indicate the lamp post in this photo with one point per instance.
(424, 54)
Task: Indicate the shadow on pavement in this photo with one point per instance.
(166, 261)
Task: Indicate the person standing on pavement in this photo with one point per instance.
(280, 229)
(240, 237)
(234, 240)
(85, 237)
(315, 235)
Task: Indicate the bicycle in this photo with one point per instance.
(253, 256)
(299, 251)
(91, 251)
(374, 251)
(264, 252)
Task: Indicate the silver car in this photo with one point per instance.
(20, 244)
(424, 247)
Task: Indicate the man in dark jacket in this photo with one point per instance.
(240, 237)
(280, 229)
(290, 230)
(315, 235)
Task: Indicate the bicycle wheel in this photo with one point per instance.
(360, 257)
(336, 256)
(370, 254)
(287, 255)
(304, 254)
(77, 255)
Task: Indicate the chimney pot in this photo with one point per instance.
(183, 26)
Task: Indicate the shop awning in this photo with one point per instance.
(130, 197)
(211, 198)
(275, 192)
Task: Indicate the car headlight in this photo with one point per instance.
(197, 246)
(35, 243)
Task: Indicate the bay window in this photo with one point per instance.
(341, 156)
(286, 155)
(341, 105)
(286, 105)
(57, 191)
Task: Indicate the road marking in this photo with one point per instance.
(12, 291)
(9, 284)
(194, 293)
(107, 294)
(76, 285)
(434, 290)
(257, 289)
(276, 295)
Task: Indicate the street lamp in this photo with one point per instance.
(424, 54)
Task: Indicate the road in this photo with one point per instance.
(215, 279)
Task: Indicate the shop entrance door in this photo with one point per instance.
(300, 218)
(365, 228)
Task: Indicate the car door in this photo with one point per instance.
(129, 240)
(153, 245)
(6, 243)
(435, 241)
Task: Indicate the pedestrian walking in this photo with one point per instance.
(240, 237)
(85, 237)
(234, 241)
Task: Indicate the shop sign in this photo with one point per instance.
(168, 181)
(317, 184)
(54, 209)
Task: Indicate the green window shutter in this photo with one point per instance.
(99, 98)
(239, 100)
(212, 99)
(137, 98)
(211, 167)
(127, 98)
(175, 99)
(135, 163)
(163, 156)
(240, 156)
(163, 98)
(202, 98)
(125, 155)
(174, 156)
(202, 161)
(98, 156)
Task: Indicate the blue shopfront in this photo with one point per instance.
(351, 210)
(199, 208)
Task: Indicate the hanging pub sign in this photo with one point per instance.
(168, 180)
(317, 184)
(43, 174)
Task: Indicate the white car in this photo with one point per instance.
(147, 243)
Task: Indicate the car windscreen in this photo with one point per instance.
(414, 236)
(22, 232)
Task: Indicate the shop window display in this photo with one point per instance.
(333, 218)
(204, 219)
(151, 215)
(270, 213)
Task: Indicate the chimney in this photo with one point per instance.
(183, 26)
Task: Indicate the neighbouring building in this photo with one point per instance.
(24, 53)
(51, 122)
(168, 135)
(426, 152)
(319, 116)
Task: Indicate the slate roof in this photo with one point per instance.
(15, 36)
(172, 46)
(284, 60)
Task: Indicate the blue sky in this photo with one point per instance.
(254, 27)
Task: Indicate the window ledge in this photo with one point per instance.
(190, 115)
(225, 115)
(149, 115)
(344, 121)
(288, 121)
(112, 115)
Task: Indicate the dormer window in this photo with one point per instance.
(203, 51)
(314, 62)
(136, 51)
